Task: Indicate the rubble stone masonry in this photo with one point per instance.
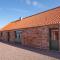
(36, 37)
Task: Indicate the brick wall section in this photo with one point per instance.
(36, 37)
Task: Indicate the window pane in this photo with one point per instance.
(54, 35)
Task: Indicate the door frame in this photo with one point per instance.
(50, 37)
(8, 33)
(18, 40)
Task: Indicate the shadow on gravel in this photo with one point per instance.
(54, 54)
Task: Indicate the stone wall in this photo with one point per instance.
(36, 37)
(59, 37)
(0, 35)
(4, 36)
(12, 36)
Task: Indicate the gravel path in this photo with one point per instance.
(8, 52)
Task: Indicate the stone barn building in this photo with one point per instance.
(41, 30)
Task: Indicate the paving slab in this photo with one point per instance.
(8, 52)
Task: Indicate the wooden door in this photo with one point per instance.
(54, 38)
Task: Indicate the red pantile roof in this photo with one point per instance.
(45, 18)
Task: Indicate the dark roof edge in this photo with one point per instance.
(41, 12)
(35, 14)
(15, 21)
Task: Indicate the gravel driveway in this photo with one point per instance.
(8, 52)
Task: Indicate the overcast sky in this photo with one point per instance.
(11, 10)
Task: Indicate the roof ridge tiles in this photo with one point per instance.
(42, 12)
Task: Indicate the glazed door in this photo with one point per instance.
(18, 36)
(54, 38)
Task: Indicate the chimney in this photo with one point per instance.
(19, 18)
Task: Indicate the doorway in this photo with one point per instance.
(18, 36)
(54, 39)
(8, 36)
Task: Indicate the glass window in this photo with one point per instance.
(54, 35)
